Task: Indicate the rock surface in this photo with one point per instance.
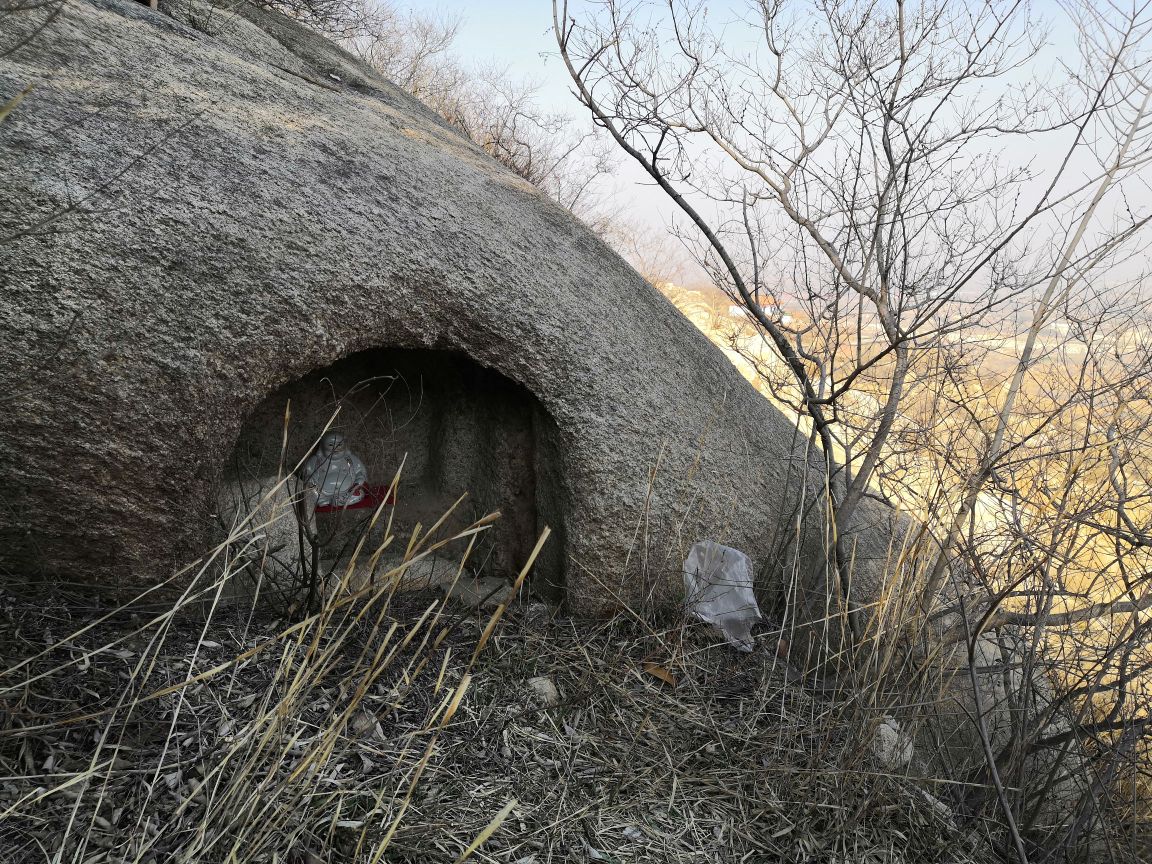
(484, 593)
(198, 209)
(260, 513)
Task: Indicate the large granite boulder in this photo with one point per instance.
(204, 212)
(216, 229)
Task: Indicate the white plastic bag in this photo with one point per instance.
(718, 589)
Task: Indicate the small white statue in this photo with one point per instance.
(335, 472)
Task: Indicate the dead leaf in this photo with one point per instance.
(658, 671)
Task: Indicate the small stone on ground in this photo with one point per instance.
(545, 689)
(483, 593)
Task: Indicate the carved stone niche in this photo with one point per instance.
(449, 426)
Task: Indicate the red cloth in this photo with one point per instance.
(374, 496)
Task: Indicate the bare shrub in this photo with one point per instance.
(960, 328)
(498, 111)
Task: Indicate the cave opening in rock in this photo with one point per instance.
(448, 424)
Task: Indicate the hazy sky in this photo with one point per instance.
(512, 32)
(517, 34)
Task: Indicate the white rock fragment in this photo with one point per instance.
(537, 612)
(545, 689)
(891, 747)
(941, 809)
(593, 853)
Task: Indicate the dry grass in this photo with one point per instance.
(401, 727)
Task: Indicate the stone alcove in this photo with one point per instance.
(456, 426)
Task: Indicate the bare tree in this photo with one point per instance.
(548, 149)
(498, 111)
(652, 250)
(414, 50)
(340, 19)
(844, 163)
(935, 224)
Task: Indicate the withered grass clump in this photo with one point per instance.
(398, 726)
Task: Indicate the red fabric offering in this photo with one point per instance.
(374, 496)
